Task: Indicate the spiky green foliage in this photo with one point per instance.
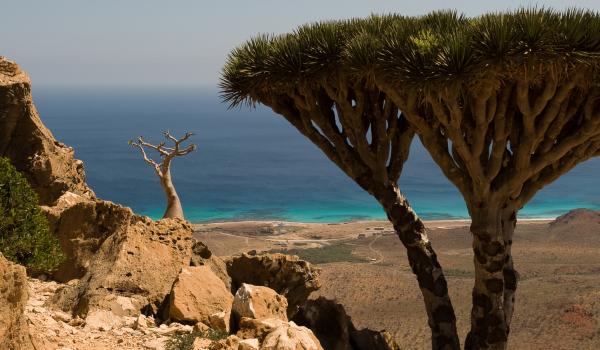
(417, 52)
(24, 234)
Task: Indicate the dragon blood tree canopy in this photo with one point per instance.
(505, 102)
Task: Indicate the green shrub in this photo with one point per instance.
(324, 255)
(186, 341)
(24, 234)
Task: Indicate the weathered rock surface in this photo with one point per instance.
(14, 330)
(287, 275)
(230, 343)
(202, 256)
(82, 225)
(259, 302)
(49, 165)
(290, 336)
(335, 330)
(252, 328)
(132, 270)
(249, 344)
(197, 295)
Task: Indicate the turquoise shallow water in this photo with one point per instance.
(250, 163)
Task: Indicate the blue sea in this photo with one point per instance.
(250, 163)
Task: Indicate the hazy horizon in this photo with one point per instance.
(146, 43)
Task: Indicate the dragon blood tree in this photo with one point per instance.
(353, 122)
(505, 103)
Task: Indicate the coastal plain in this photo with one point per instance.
(364, 267)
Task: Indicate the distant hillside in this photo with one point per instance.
(579, 224)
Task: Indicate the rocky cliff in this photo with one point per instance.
(49, 165)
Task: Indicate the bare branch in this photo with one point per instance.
(166, 153)
(139, 144)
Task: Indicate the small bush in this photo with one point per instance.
(324, 255)
(186, 341)
(24, 234)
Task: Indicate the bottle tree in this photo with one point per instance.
(163, 168)
(352, 121)
(505, 103)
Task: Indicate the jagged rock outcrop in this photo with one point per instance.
(335, 330)
(133, 270)
(289, 276)
(14, 330)
(259, 302)
(49, 165)
(197, 295)
(82, 225)
(202, 256)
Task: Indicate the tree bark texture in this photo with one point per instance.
(424, 264)
(174, 208)
(495, 278)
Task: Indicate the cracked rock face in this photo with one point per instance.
(81, 226)
(259, 302)
(14, 330)
(289, 276)
(139, 263)
(198, 295)
(48, 165)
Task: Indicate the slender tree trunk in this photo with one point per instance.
(424, 264)
(174, 209)
(495, 277)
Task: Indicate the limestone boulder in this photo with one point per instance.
(335, 330)
(81, 226)
(199, 295)
(220, 321)
(290, 336)
(249, 344)
(49, 165)
(230, 343)
(258, 328)
(259, 302)
(133, 270)
(287, 275)
(14, 330)
(202, 256)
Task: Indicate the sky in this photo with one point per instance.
(178, 42)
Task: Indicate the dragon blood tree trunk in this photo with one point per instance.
(424, 264)
(375, 165)
(495, 278)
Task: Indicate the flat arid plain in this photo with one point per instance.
(364, 267)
